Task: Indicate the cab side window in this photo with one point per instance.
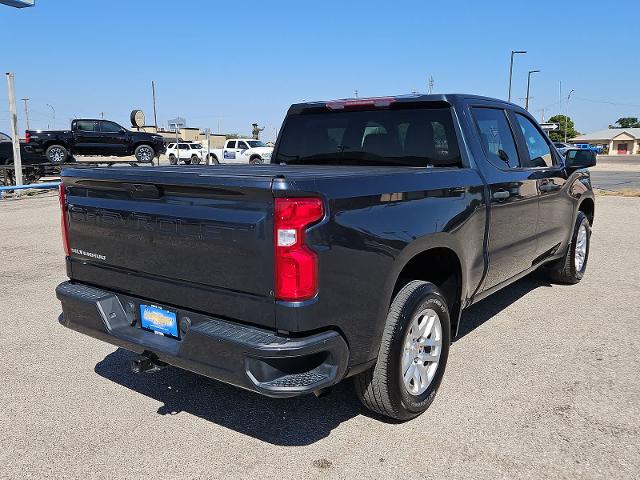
(537, 146)
(496, 137)
(87, 125)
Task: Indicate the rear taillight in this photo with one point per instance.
(296, 265)
(27, 137)
(64, 220)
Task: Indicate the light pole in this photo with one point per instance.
(26, 111)
(526, 101)
(566, 116)
(513, 52)
(53, 110)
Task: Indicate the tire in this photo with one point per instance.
(57, 153)
(195, 160)
(173, 160)
(144, 153)
(214, 160)
(382, 388)
(187, 161)
(255, 161)
(567, 270)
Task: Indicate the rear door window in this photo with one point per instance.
(242, 145)
(87, 125)
(231, 144)
(496, 137)
(537, 146)
(416, 137)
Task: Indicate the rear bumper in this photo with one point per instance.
(245, 356)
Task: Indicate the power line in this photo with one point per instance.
(608, 102)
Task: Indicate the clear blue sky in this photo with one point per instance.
(248, 61)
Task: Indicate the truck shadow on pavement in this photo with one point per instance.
(486, 309)
(287, 422)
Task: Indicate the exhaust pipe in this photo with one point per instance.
(146, 363)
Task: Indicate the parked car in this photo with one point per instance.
(562, 147)
(242, 150)
(588, 146)
(352, 254)
(189, 153)
(94, 137)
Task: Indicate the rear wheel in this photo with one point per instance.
(255, 160)
(571, 268)
(57, 154)
(144, 153)
(187, 161)
(214, 160)
(413, 354)
(173, 160)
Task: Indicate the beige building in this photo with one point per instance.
(187, 134)
(615, 141)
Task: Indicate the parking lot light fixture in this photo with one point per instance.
(526, 102)
(513, 52)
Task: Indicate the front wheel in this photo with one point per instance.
(57, 154)
(144, 154)
(195, 160)
(413, 354)
(571, 267)
(255, 161)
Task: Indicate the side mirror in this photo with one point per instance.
(576, 159)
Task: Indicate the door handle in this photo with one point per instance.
(501, 195)
(549, 187)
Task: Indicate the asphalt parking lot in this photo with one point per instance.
(543, 383)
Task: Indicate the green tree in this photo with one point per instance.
(626, 122)
(564, 123)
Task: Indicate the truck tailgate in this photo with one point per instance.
(176, 236)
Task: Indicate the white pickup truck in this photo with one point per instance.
(242, 150)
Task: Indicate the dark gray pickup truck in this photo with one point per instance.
(353, 254)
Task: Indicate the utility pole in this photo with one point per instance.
(102, 115)
(513, 52)
(53, 110)
(26, 111)
(541, 115)
(566, 117)
(526, 102)
(13, 121)
(155, 115)
(355, 93)
(431, 83)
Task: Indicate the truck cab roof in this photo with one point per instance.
(412, 98)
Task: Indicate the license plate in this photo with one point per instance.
(159, 320)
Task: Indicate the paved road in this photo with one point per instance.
(615, 180)
(619, 160)
(544, 383)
